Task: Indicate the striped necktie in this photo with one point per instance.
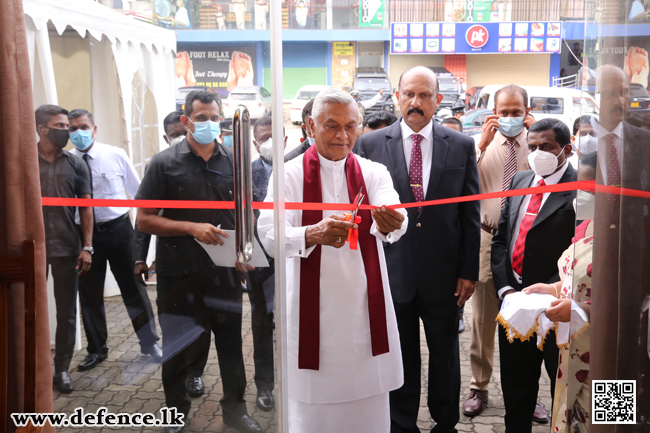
(510, 167)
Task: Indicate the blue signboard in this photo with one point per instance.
(476, 38)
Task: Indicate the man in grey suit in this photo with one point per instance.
(433, 268)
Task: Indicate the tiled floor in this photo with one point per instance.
(128, 383)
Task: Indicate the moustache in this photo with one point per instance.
(415, 110)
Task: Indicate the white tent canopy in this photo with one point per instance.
(85, 55)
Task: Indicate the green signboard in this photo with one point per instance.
(482, 11)
(371, 13)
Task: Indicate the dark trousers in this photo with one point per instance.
(113, 243)
(66, 283)
(521, 364)
(262, 327)
(440, 322)
(188, 307)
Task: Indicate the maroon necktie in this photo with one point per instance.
(309, 309)
(510, 168)
(613, 166)
(415, 169)
(527, 221)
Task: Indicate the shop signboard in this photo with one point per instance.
(472, 38)
(371, 13)
(220, 68)
(459, 11)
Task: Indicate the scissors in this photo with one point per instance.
(357, 200)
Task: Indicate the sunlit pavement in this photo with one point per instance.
(127, 382)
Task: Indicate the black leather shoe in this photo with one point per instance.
(265, 400)
(63, 382)
(174, 429)
(154, 351)
(461, 326)
(245, 423)
(91, 360)
(195, 387)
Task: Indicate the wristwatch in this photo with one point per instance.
(91, 250)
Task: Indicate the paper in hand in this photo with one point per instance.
(226, 255)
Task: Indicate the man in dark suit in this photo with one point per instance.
(307, 134)
(261, 282)
(433, 268)
(533, 232)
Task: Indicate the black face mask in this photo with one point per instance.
(58, 137)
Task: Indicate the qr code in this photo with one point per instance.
(614, 402)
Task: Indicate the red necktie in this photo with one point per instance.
(510, 168)
(309, 318)
(534, 205)
(415, 169)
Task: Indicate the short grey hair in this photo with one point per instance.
(330, 96)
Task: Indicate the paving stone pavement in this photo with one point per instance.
(127, 382)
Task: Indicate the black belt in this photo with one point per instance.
(487, 228)
(102, 227)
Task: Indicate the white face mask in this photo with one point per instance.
(544, 163)
(585, 205)
(587, 144)
(176, 140)
(266, 150)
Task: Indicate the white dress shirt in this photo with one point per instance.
(553, 179)
(618, 143)
(113, 175)
(347, 371)
(427, 150)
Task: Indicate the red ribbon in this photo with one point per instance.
(586, 185)
(353, 234)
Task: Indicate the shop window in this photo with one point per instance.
(547, 105)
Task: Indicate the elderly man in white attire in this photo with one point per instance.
(343, 345)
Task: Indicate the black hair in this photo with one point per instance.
(454, 121)
(375, 119)
(173, 117)
(263, 121)
(45, 112)
(80, 112)
(306, 110)
(590, 160)
(202, 96)
(586, 119)
(640, 120)
(399, 83)
(562, 133)
(510, 89)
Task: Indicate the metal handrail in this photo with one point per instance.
(244, 220)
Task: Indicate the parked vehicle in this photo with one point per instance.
(448, 86)
(555, 102)
(181, 94)
(639, 98)
(473, 120)
(368, 82)
(471, 97)
(302, 97)
(256, 98)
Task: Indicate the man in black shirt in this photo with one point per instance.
(194, 295)
(63, 175)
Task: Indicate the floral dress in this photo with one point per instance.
(572, 397)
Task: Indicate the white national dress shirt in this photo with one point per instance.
(602, 154)
(113, 175)
(550, 180)
(348, 371)
(427, 150)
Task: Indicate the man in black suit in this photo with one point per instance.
(533, 232)
(433, 268)
(261, 282)
(307, 134)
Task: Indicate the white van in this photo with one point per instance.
(554, 102)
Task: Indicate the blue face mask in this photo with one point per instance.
(205, 132)
(511, 126)
(82, 138)
(227, 141)
(311, 140)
